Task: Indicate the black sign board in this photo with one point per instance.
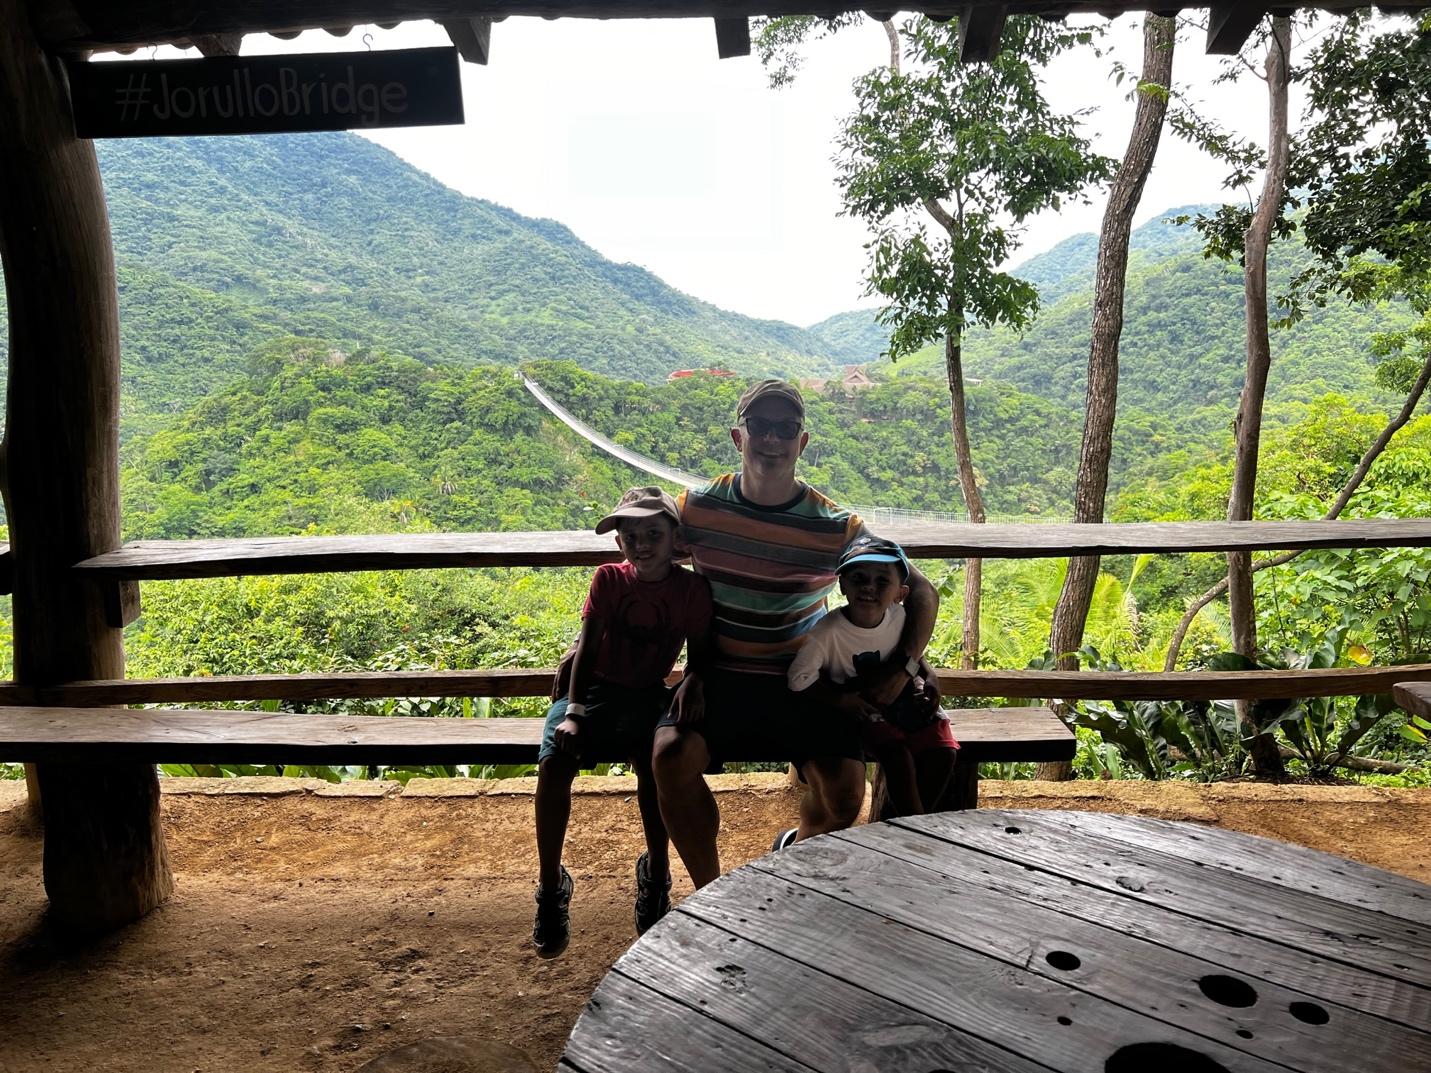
(266, 94)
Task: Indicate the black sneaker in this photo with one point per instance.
(652, 901)
(552, 929)
(783, 839)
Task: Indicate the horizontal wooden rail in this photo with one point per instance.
(1066, 685)
(105, 735)
(170, 559)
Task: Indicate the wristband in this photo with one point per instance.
(576, 710)
(911, 666)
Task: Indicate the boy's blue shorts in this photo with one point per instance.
(619, 723)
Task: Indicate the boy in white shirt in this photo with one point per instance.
(911, 738)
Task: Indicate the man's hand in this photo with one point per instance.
(882, 687)
(857, 705)
(688, 706)
(566, 734)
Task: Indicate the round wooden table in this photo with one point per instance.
(995, 940)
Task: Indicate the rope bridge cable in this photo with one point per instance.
(871, 514)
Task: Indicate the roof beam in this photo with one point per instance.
(473, 38)
(980, 27)
(1230, 25)
(80, 25)
(732, 37)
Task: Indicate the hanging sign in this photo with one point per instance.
(266, 94)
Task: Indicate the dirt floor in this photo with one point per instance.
(317, 930)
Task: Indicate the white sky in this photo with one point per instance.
(653, 151)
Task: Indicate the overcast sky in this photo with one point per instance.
(652, 150)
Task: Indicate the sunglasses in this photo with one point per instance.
(787, 429)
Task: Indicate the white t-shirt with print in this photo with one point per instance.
(843, 650)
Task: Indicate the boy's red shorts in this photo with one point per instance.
(937, 735)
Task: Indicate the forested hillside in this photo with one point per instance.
(226, 243)
(1183, 345)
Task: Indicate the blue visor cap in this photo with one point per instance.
(873, 549)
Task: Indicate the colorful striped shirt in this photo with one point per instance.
(770, 568)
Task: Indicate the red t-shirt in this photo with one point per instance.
(646, 622)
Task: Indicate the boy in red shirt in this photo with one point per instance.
(637, 615)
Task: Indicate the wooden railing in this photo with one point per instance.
(177, 559)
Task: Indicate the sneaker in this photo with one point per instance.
(552, 929)
(783, 839)
(652, 901)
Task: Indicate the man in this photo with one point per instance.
(769, 545)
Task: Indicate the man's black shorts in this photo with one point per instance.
(756, 717)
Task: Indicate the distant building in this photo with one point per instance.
(683, 374)
(854, 380)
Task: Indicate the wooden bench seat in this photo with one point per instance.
(92, 735)
(1415, 697)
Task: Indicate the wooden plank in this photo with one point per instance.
(1180, 685)
(536, 682)
(805, 1014)
(649, 1023)
(1104, 962)
(7, 570)
(732, 38)
(473, 38)
(101, 735)
(1326, 928)
(1037, 1017)
(142, 22)
(1229, 26)
(229, 736)
(980, 28)
(170, 559)
(1415, 697)
(1286, 966)
(1274, 863)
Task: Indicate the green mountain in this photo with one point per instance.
(853, 337)
(223, 244)
(1182, 352)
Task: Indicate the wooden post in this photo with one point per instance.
(105, 861)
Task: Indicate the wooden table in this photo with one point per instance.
(1020, 941)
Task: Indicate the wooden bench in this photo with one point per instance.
(107, 735)
(1415, 697)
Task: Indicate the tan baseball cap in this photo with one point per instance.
(641, 503)
(768, 389)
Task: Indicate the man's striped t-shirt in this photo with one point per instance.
(770, 568)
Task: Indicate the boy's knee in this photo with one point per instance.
(559, 767)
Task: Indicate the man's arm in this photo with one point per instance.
(921, 608)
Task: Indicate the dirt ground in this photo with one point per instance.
(316, 930)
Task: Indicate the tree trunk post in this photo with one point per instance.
(1070, 614)
(105, 860)
(1265, 757)
(968, 485)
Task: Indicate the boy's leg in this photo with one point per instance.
(658, 845)
(901, 780)
(934, 767)
(553, 811)
(834, 792)
(687, 806)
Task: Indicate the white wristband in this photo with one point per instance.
(576, 709)
(911, 666)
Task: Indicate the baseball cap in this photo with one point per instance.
(768, 389)
(873, 549)
(640, 503)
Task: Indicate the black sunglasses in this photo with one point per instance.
(787, 429)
